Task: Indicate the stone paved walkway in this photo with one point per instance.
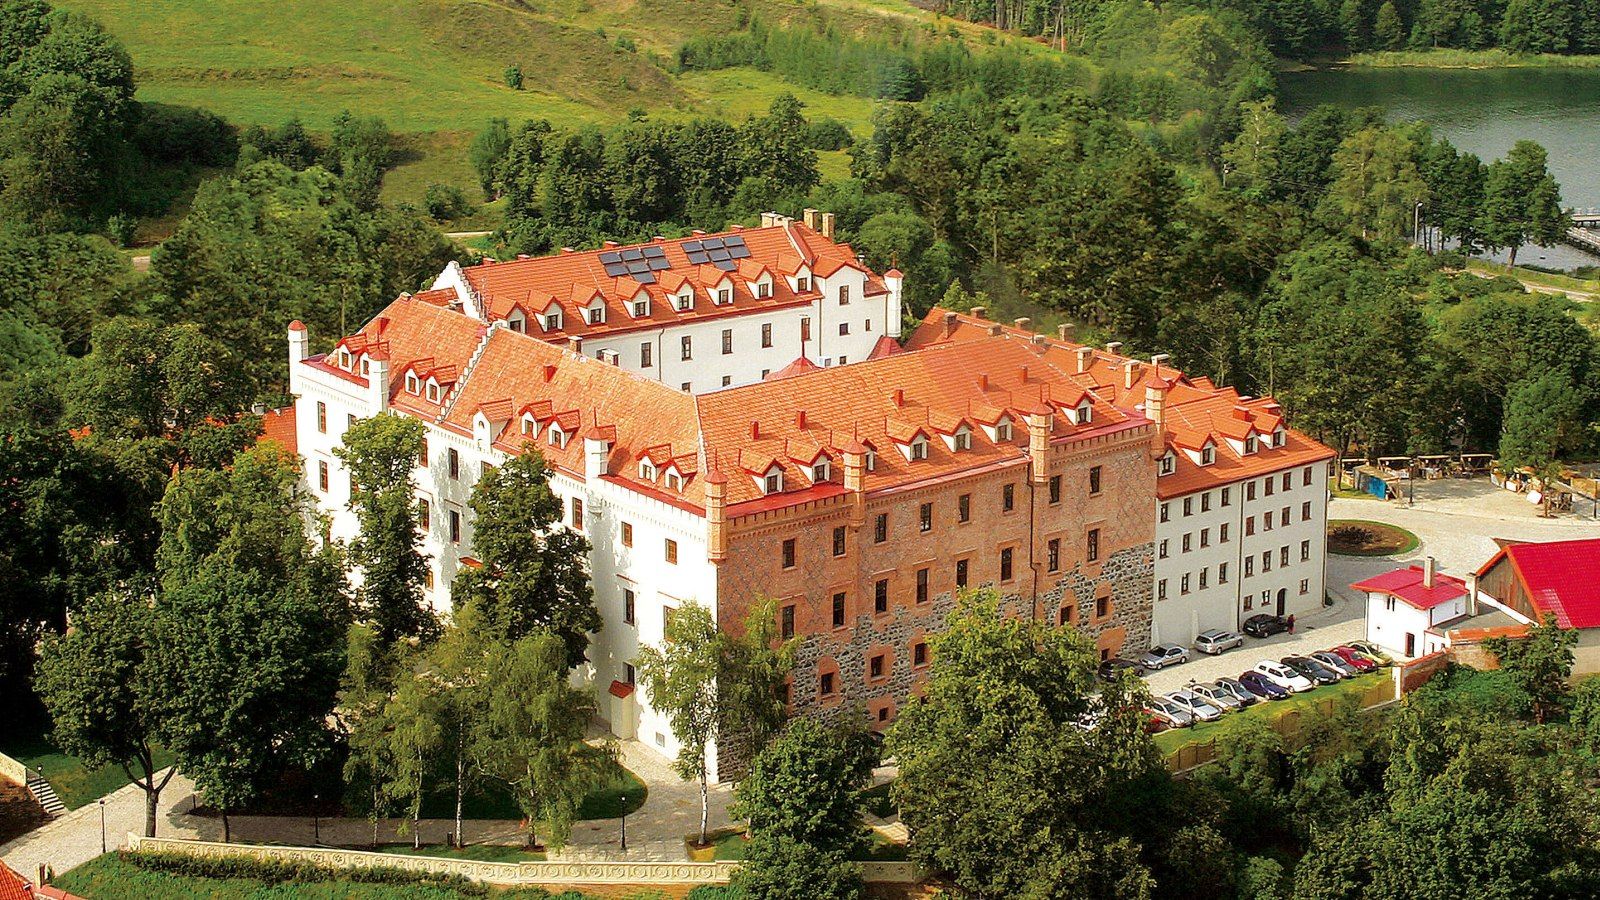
(74, 838)
(657, 830)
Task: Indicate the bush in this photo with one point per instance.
(446, 201)
(119, 228)
(514, 77)
(183, 134)
(828, 134)
(716, 892)
(285, 872)
(778, 867)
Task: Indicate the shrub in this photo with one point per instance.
(119, 228)
(716, 892)
(828, 134)
(514, 77)
(287, 872)
(445, 201)
(183, 134)
(1354, 535)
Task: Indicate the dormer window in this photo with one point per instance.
(963, 439)
(1002, 432)
(595, 315)
(366, 366)
(558, 438)
(684, 302)
(1083, 413)
(803, 283)
(919, 448)
(1278, 437)
(773, 483)
(552, 320)
(413, 386)
(344, 359)
(724, 296)
(1169, 464)
(763, 289)
(529, 426)
(872, 460)
(647, 470)
(1208, 455)
(820, 472)
(641, 308)
(674, 481)
(433, 392)
(1250, 444)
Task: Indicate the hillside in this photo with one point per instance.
(434, 69)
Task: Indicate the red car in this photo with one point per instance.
(1358, 660)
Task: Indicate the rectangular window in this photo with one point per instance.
(322, 475)
(825, 684)
(1188, 507)
(1222, 533)
(1161, 589)
(577, 513)
(1183, 585)
(1266, 484)
(322, 417)
(484, 468)
(1161, 549)
(629, 673)
(727, 341)
(766, 335)
(838, 609)
(876, 666)
(844, 295)
(1266, 560)
(1283, 555)
(349, 422)
(1266, 520)
(1249, 525)
(1205, 502)
(1052, 555)
(1222, 573)
(1204, 574)
(629, 606)
(422, 455)
(1102, 606)
(1188, 540)
(838, 540)
(919, 654)
(424, 514)
(844, 328)
(961, 573)
(1305, 586)
(1249, 566)
(627, 534)
(455, 527)
(1055, 489)
(685, 348)
(1227, 496)
(880, 528)
(880, 596)
(1094, 480)
(1250, 491)
(1305, 511)
(1005, 564)
(1166, 512)
(1093, 548)
(1306, 476)
(1205, 537)
(1008, 498)
(964, 508)
(922, 585)
(1284, 514)
(786, 622)
(805, 328)
(925, 517)
(788, 553)
(1305, 550)
(454, 460)
(1288, 480)
(672, 551)
(646, 350)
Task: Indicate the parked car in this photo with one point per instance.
(1265, 625)
(1090, 718)
(1335, 661)
(1235, 687)
(1354, 657)
(1162, 655)
(1373, 650)
(1262, 687)
(1285, 677)
(1195, 705)
(1215, 640)
(1218, 696)
(1168, 713)
(1312, 669)
(1111, 668)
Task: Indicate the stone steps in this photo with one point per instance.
(45, 794)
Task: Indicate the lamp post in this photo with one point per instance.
(316, 819)
(624, 823)
(102, 826)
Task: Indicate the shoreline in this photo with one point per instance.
(1445, 58)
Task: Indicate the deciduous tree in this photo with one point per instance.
(380, 453)
(680, 677)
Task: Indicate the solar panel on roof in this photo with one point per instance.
(633, 253)
(733, 240)
(698, 258)
(739, 252)
(692, 247)
(654, 252)
(726, 265)
(613, 269)
(711, 243)
(645, 277)
(638, 266)
(610, 257)
(718, 255)
(658, 263)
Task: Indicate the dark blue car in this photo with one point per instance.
(1259, 685)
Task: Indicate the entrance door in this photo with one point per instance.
(1411, 645)
(1283, 595)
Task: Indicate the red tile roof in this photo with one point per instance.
(1193, 410)
(573, 280)
(1559, 577)
(13, 886)
(1406, 585)
(278, 425)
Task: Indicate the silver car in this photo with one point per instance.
(1162, 655)
(1195, 705)
(1168, 713)
(1236, 687)
(1336, 662)
(1215, 640)
(1218, 696)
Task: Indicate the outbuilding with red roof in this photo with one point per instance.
(1409, 610)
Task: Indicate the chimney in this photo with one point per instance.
(811, 219)
(716, 514)
(1039, 445)
(609, 245)
(755, 430)
(769, 219)
(1064, 331)
(983, 381)
(827, 225)
(568, 250)
(698, 232)
(979, 312)
(994, 330)
(1130, 374)
(800, 420)
(1428, 568)
(378, 380)
(1159, 360)
(549, 373)
(1024, 323)
(1022, 374)
(1114, 347)
(1038, 341)
(1085, 359)
(899, 397)
(1155, 398)
(299, 341)
(950, 320)
(575, 344)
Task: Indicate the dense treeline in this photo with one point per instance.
(1302, 28)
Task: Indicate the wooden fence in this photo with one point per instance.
(504, 873)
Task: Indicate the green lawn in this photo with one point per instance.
(604, 802)
(1171, 740)
(112, 878)
(75, 784)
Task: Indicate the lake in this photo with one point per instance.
(1484, 111)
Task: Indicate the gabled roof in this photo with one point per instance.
(279, 425)
(1406, 585)
(1559, 577)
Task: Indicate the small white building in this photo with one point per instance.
(1409, 610)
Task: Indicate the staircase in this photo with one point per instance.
(45, 794)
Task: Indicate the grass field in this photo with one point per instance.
(1448, 58)
(604, 802)
(74, 783)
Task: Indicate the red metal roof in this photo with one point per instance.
(1406, 585)
(1559, 577)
